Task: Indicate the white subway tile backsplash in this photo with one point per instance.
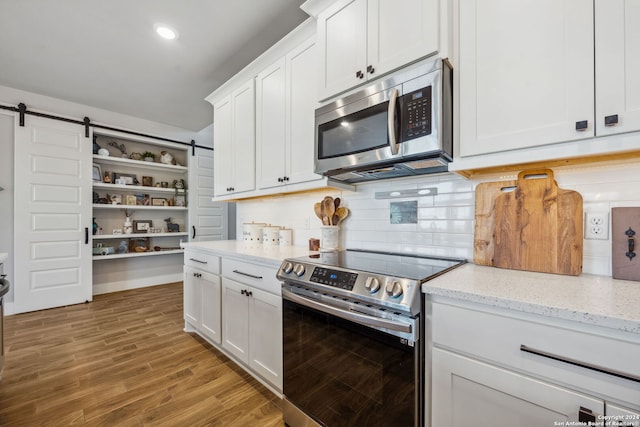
(445, 221)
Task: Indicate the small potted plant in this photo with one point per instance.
(149, 156)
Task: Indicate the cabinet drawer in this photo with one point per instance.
(498, 336)
(258, 276)
(202, 260)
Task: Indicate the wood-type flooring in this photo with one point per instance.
(124, 360)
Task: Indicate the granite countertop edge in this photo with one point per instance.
(589, 299)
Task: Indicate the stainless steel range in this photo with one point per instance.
(352, 337)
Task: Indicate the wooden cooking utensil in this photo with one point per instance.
(317, 208)
(329, 209)
(342, 213)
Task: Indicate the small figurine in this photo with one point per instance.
(167, 158)
(120, 147)
(107, 177)
(171, 227)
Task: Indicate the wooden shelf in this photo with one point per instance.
(135, 188)
(121, 236)
(108, 160)
(140, 207)
(137, 254)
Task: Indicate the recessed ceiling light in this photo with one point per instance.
(166, 31)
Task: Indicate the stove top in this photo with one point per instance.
(383, 279)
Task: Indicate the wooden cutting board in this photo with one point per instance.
(535, 227)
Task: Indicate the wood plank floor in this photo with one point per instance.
(124, 360)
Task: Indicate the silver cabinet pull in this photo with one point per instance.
(579, 363)
(198, 261)
(247, 274)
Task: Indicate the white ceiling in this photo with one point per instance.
(105, 53)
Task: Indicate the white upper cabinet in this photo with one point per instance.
(302, 95)
(234, 141)
(527, 79)
(363, 39)
(617, 66)
(271, 126)
(223, 156)
(285, 109)
(526, 74)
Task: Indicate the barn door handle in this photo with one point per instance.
(86, 235)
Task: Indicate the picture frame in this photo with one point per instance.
(97, 173)
(181, 201)
(147, 181)
(142, 226)
(142, 199)
(157, 201)
(130, 199)
(128, 178)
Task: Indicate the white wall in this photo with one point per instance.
(446, 221)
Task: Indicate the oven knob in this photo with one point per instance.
(372, 285)
(287, 268)
(394, 289)
(299, 270)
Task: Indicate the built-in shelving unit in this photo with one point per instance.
(149, 196)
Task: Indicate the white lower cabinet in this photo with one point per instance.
(236, 306)
(202, 307)
(202, 302)
(470, 392)
(489, 366)
(252, 322)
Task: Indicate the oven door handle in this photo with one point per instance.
(362, 319)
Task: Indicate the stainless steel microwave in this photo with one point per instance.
(400, 126)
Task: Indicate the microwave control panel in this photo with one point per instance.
(416, 114)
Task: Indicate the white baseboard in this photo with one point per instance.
(105, 288)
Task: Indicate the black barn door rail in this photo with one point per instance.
(86, 122)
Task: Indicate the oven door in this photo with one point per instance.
(339, 372)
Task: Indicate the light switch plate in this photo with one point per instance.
(625, 243)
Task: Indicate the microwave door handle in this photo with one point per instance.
(391, 122)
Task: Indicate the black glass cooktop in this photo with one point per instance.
(383, 263)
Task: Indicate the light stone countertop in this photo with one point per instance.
(263, 254)
(589, 299)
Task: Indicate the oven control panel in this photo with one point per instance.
(337, 279)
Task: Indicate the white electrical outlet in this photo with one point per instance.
(307, 223)
(596, 226)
